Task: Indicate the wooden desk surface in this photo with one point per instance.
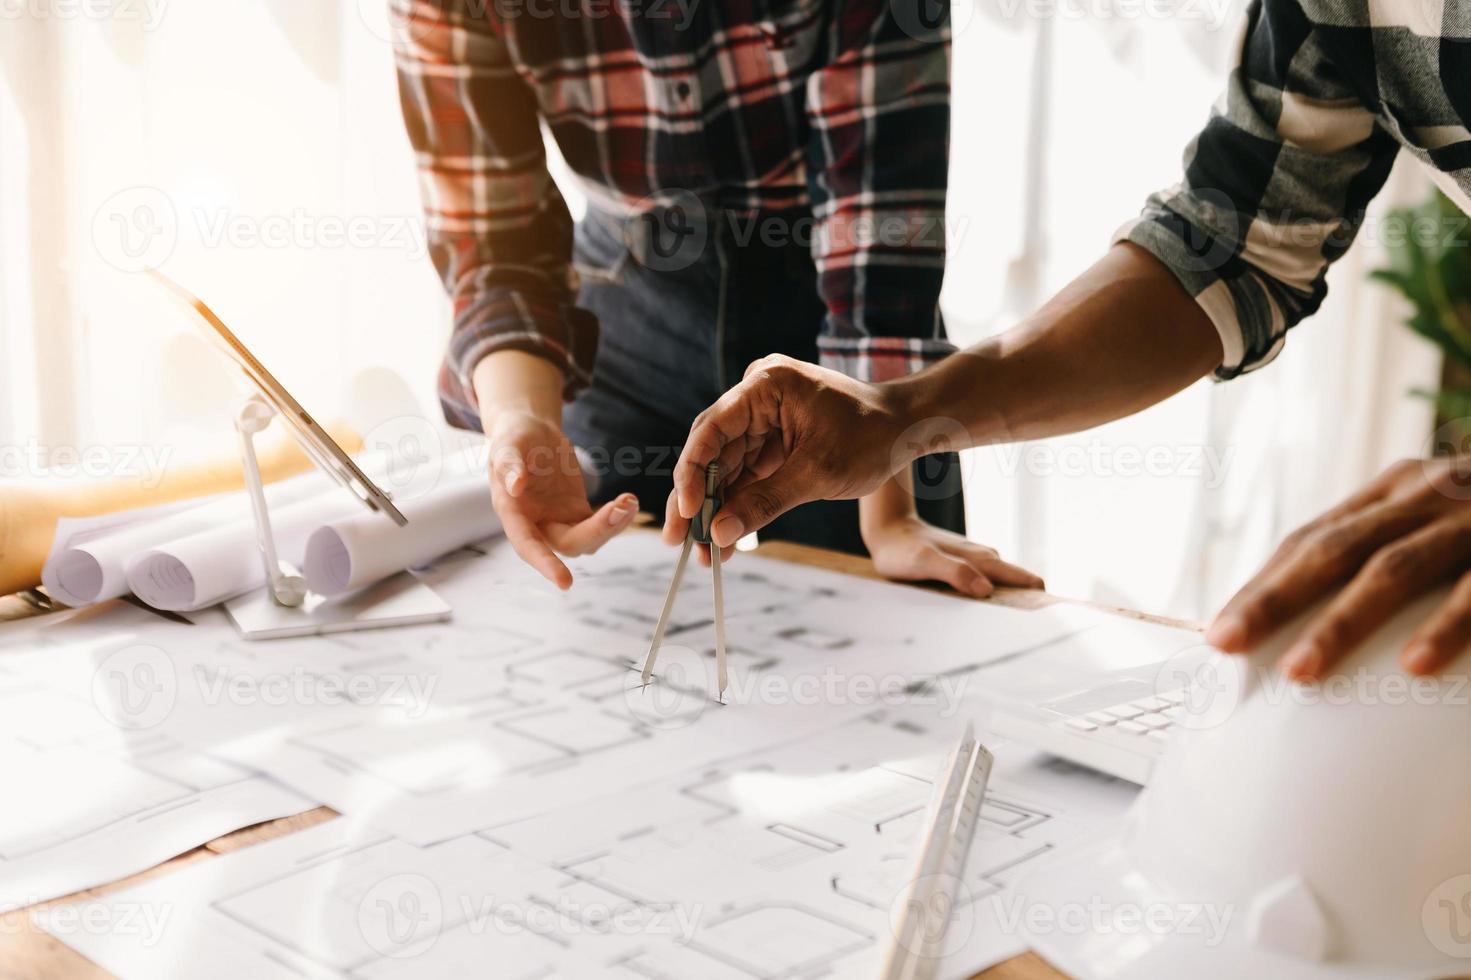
(27, 953)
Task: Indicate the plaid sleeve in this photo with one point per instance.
(499, 232)
(878, 161)
(1275, 187)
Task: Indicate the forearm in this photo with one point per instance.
(509, 381)
(893, 501)
(1119, 338)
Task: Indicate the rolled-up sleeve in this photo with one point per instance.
(1274, 190)
(499, 231)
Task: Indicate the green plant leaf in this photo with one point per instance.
(1430, 265)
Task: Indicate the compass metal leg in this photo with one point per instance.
(720, 670)
(684, 557)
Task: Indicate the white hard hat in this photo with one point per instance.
(1288, 832)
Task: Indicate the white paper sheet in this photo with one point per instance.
(360, 549)
(530, 699)
(527, 704)
(781, 863)
(88, 801)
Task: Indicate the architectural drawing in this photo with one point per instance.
(783, 863)
(532, 700)
(107, 794)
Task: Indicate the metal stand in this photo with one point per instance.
(285, 607)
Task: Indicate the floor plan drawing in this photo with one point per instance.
(532, 698)
(785, 863)
(513, 789)
(107, 797)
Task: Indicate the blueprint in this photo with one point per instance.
(783, 863)
(530, 700)
(94, 795)
(580, 822)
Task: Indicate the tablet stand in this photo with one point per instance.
(285, 607)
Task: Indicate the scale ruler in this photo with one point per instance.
(929, 899)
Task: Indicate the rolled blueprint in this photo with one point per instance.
(219, 563)
(185, 572)
(361, 549)
(31, 509)
(92, 567)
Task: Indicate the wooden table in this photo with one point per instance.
(27, 953)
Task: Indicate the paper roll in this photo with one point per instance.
(95, 568)
(189, 573)
(222, 559)
(29, 510)
(359, 550)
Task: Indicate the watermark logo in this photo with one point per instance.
(927, 444)
(1213, 14)
(1365, 686)
(1446, 917)
(676, 694)
(414, 455)
(1206, 687)
(1208, 684)
(1447, 466)
(1204, 921)
(142, 922)
(1205, 464)
(147, 14)
(145, 464)
(139, 228)
(413, 694)
(564, 917)
(678, 14)
(393, 21)
(1211, 232)
(669, 231)
(135, 687)
(933, 916)
(136, 229)
(932, 21)
(401, 916)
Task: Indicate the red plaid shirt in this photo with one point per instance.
(839, 107)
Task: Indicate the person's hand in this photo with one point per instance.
(537, 489)
(1406, 533)
(676, 528)
(790, 432)
(908, 549)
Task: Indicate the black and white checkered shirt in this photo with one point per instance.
(1323, 95)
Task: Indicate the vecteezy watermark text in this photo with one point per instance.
(139, 228)
(147, 14)
(32, 458)
(1208, 464)
(403, 915)
(412, 692)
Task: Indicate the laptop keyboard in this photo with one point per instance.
(1152, 719)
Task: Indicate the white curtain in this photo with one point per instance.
(253, 149)
(256, 147)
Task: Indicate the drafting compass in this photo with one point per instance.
(699, 531)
